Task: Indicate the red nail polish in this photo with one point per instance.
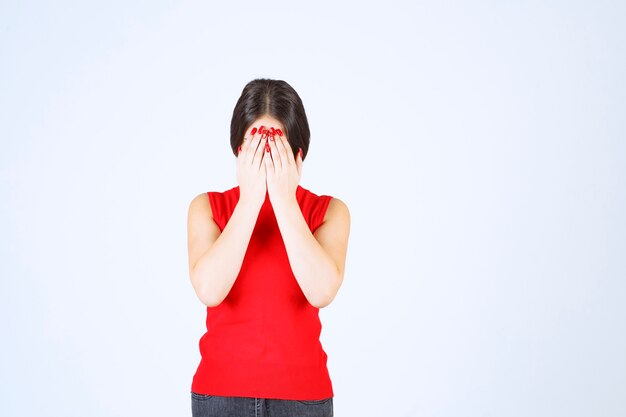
(253, 131)
(272, 130)
(300, 150)
(280, 133)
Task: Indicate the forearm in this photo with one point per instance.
(216, 270)
(313, 268)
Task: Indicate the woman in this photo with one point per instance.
(264, 257)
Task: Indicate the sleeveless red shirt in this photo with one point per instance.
(262, 340)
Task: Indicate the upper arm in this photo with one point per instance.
(334, 231)
(202, 231)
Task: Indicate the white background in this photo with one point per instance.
(479, 146)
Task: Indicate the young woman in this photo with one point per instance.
(264, 257)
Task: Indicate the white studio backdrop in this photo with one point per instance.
(480, 148)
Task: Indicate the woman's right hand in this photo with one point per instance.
(251, 174)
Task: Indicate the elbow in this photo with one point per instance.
(324, 301)
(326, 298)
(205, 295)
(319, 301)
(208, 300)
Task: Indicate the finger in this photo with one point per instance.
(242, 145)
(255, 156)
(286, 144)
(274, 150)
(270, 168)
(247, 138)
(270, 162)
(285, 151)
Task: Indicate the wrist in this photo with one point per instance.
(285, 203)
(247, 204)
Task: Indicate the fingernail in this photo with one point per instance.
(253, 131)
(272, 130)
(280, 133)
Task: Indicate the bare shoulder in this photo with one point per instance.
(202, 230)
(200, 205)
(200, 219)
(337, 211)
(334, 232)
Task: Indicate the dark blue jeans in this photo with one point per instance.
(218, 406)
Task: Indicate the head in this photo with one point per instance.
(272, 103)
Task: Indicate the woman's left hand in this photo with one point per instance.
(282, 169)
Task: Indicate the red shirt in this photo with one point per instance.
(262, 340)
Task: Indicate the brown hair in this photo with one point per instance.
(276, 98)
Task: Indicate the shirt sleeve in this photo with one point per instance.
(216, 209)
(319, 211)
